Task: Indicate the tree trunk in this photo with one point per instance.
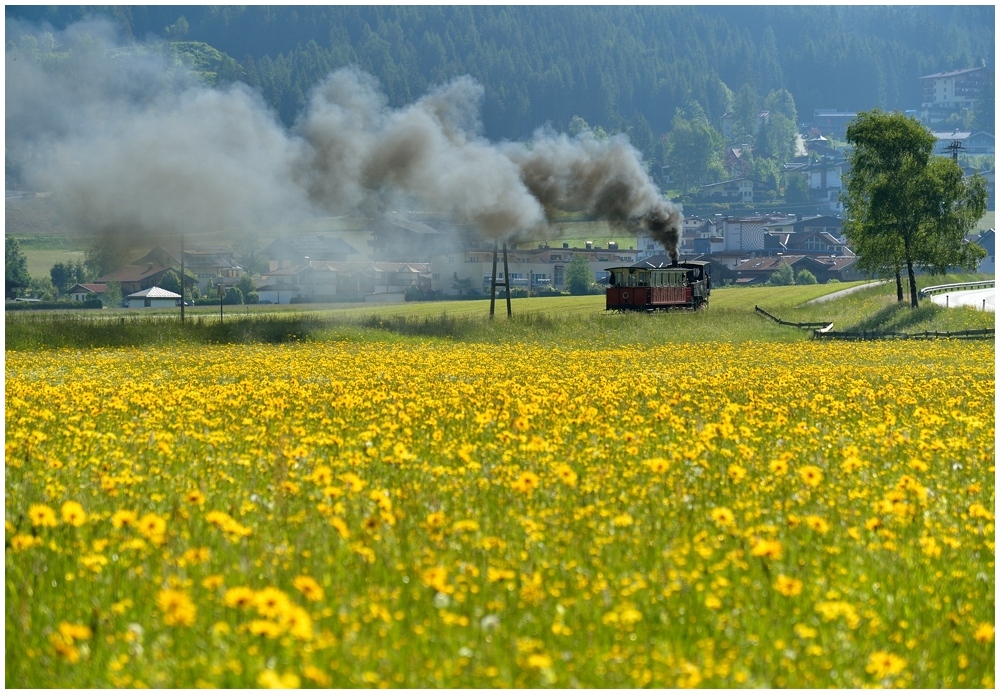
(913, 284)
(899, 287)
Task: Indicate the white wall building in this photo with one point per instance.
(154, 297)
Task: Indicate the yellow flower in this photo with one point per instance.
(19, 543)
(883, 664)
(177, 608)
(779, 466)
(817, 524)
(271, 603)
(722, 516)
(539, 661)
(788, 586)
(657, 465)
(526, 482)
(317, 676)
(240, 596)
(298, 623)
(64, 648)
(152, 527)
(74, 632)
(984, 633)
(769, 549)
(436, 577)
(566, 474)
(124, 519)
(212, 582)
(811, 475)
(41, 516)
(308, 586)
(805, 632)
(270, 679)
(73, 514)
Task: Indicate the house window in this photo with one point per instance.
(558, 275)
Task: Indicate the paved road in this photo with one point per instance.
(969, 297)
(843, 292)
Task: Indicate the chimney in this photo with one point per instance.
(612, 245)
(565, 245)
(590, 245)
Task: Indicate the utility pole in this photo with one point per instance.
(182, 278)
(506, 277)
(493, 278)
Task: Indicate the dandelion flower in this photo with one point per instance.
(124, 519)
(73, 514)
(883, 664)
(722, 516)
(41, 516)
(769, 549)
(308, 586)
(240, 596)
(811, 475)
(788, 586)
(984, 633)
(177, 608)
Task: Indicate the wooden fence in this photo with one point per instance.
(823, 330)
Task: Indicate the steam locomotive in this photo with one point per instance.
(658, 283)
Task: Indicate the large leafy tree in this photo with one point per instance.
(15, 267)
(906, 209)
(693, 150)
(578, 276)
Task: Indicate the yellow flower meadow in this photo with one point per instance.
(433, 514)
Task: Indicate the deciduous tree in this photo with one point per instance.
(15, 267)
(578, 275)
(905, 208)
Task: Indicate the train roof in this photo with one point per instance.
(660, 262)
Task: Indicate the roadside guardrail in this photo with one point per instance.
(957, 287)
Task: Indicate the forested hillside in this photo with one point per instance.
(621, 68)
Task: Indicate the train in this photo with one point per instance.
(658, 284)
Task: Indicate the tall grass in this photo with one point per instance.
(550, 320)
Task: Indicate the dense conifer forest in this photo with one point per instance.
(619, 67)
(663, 75)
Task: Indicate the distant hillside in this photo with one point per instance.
(626, 68)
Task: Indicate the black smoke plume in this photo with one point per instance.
(134, 147)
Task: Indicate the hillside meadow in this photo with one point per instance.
(554, 501)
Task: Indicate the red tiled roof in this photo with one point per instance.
(130, 273)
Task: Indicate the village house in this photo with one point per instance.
(824, 269)
(295, 251)
(153, 297)
(80, 292)
(532, 269)
(209, 265)
(330, 281)
(967, 142)
(948, 93)
(134, 278)
(739, 190)
(987, 240)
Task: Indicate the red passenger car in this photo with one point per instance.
(658, 284)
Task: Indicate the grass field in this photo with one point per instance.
(417, 496)
(549, 320)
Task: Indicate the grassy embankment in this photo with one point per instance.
(553, 320)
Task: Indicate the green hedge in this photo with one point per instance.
(50, 305)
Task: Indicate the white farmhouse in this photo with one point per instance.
(154, 297)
